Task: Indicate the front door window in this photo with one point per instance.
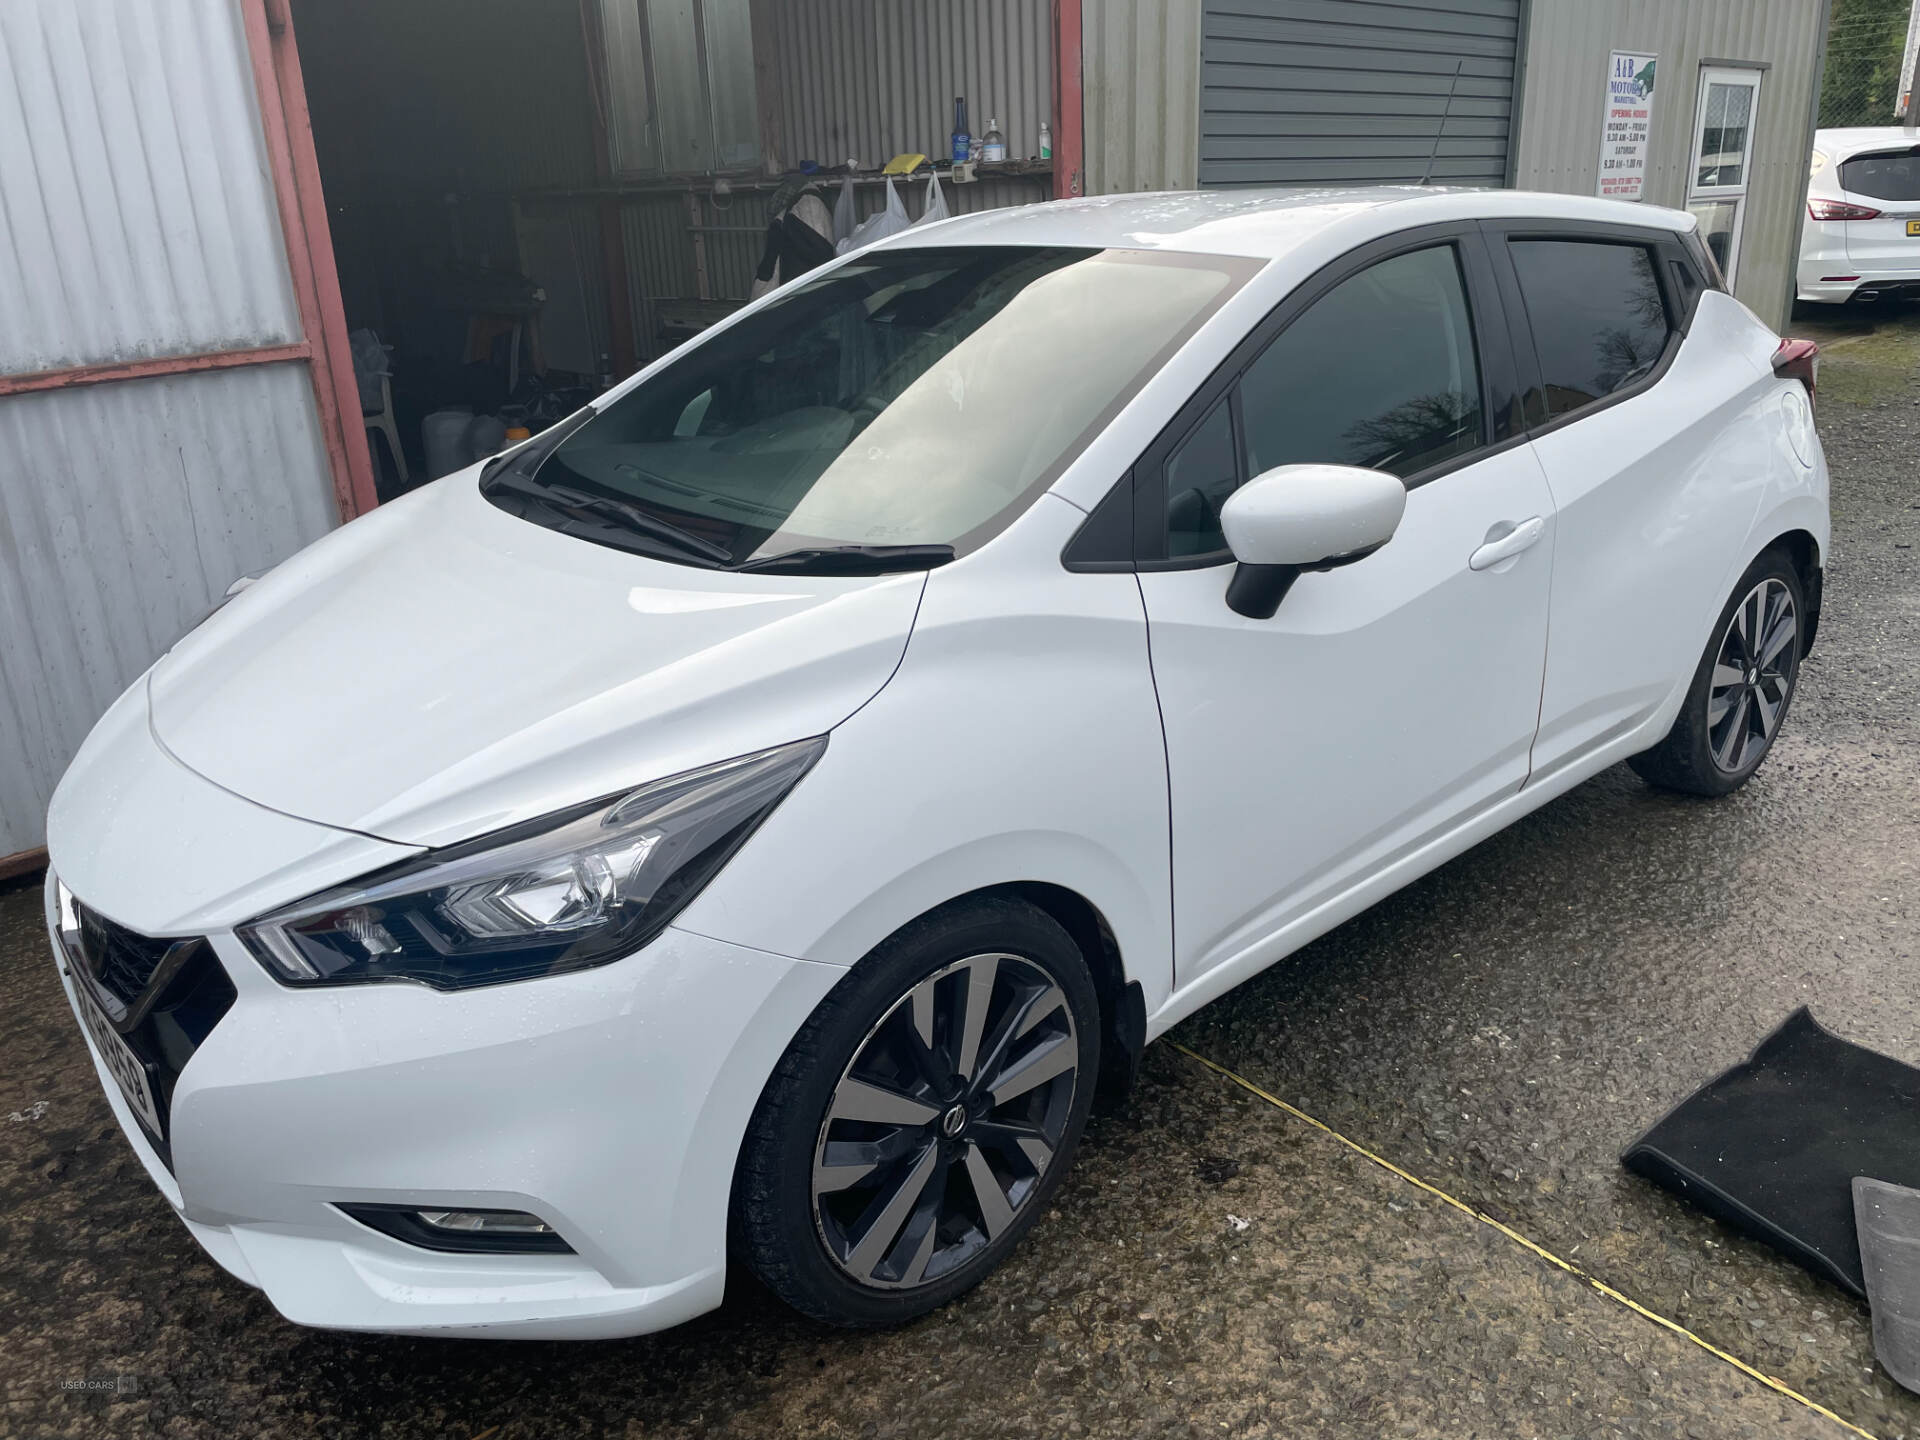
(1722, 159)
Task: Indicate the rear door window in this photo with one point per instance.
(1599, 321)
(1894, 175)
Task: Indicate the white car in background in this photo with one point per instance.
(754, 816)
(1861, 240)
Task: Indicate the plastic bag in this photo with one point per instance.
(890, 221)
(844, 211)
(936, 202)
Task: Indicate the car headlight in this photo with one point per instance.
(571, 890)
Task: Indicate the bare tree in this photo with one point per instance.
(1427, 425)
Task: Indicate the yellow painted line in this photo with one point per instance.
(1524, 1243)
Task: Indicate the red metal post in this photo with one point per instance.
(303, 219)
(78, 375)
(1069, 122)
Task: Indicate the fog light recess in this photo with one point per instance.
(462, 1232)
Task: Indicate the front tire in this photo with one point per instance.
(922, 1118)
(1742, 689)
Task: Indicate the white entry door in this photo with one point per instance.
(1718, 178)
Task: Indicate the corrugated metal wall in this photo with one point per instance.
(660, 244)
(1569, 42)
(138, 217)
(1306, 92)
(1140, 73)
(680, 85)
(863, 80)
(128, 508)
(140, 222)
(871, 79)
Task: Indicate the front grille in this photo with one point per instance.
(190, 993)
(122, 960)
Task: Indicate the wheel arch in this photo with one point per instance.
(1803, 549)
(1123, 1007)
(1123, 1010)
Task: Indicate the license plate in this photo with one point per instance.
(1913, 227)
(125, 1066)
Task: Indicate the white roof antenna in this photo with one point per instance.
(1446, 112)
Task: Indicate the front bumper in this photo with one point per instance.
(611, 1103)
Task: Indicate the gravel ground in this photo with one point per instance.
(1214, 1266)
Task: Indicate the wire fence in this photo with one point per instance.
(1866, 41)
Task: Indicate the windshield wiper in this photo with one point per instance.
(598, 508)
(854, 559)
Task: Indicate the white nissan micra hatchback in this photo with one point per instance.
(755, 816)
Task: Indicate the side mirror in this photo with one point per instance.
(1297, 518)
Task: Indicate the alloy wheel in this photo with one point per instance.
(1753, 676)
(945, 1120)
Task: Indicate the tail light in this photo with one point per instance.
(1840, 210)
(1798, 360)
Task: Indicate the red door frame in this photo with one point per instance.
(303, 220)
(1069, 122)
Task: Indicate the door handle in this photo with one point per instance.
(1523, 536)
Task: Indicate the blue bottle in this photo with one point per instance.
(962, 141)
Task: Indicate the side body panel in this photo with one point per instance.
(1656, 496)
(1019, 741)
(1382, 703)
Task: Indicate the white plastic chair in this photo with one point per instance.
(369, 366)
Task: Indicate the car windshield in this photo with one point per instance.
(917, 397)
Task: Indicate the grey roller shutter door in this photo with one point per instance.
(1316, 92)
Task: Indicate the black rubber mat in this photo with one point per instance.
(1772, 1146)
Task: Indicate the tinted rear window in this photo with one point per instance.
(1599, 322)
(1887, 176)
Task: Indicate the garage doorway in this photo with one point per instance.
(531, 198)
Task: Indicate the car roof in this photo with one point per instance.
(1267, 223)
(1841, 143)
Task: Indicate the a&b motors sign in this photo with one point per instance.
(1625, 123)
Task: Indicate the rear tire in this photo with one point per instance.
(1742, 689)
(904, 1145)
